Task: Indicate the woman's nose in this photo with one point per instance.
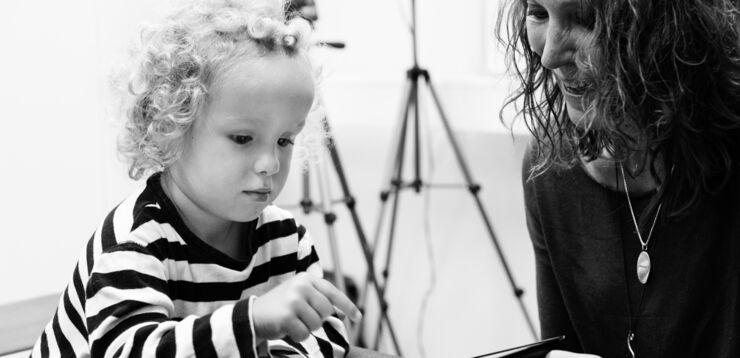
(267, 163)
(559, 49)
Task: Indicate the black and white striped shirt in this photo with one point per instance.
(146, 286)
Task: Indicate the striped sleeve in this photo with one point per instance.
(308, 260)
(129, 313)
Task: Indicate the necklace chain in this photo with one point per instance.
(643, 260)
(632, 212)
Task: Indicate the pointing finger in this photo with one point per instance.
(338, 299)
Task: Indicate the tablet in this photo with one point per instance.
(532, 350)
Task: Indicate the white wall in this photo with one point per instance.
(61, 173)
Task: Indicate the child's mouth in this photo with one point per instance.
(258, 195)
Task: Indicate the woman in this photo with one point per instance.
(632, 183)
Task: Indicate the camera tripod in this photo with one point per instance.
(307, 10)
(414, 77)
(325, 207)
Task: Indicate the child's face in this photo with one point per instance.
(237, 156)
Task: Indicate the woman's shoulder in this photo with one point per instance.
(537, 173)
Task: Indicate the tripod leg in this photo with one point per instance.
(386, 272)
(397, 184)
(389, 173)
(366, 250)
(329, 219)
(306, 203)
(474, 189)
(416, 183)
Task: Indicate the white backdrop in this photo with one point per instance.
(61, 173)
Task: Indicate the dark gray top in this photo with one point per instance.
(586, 253)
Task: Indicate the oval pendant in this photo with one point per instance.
(643, 267)
(630, 338)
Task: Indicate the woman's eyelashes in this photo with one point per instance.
(583, 18)
(536, 12)
(575, 17)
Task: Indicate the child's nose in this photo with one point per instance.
(267, 163)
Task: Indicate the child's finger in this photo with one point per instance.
(297, 330)
(339, 313)
(308, 315)
(338, 299)
(321, 305)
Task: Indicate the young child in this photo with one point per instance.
(199, 263)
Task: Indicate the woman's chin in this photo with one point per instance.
(579, 118)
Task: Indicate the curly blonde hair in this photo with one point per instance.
(178, 61)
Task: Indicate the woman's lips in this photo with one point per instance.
(576, 88)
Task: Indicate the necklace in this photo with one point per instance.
(643, 259)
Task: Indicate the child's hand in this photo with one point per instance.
(298, 306)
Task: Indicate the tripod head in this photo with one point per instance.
(303, 8)
(307, 10)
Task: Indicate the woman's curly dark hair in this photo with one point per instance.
(669, 68)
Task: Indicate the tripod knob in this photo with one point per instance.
(416, 184)
(518, 292)
(350, 201)
(415, 72)
(307, 205)
(474, 188)
(330, 218)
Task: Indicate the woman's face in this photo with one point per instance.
(556, 29)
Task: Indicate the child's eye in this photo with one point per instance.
(284, 142)
(241, 139)
(536, 12)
